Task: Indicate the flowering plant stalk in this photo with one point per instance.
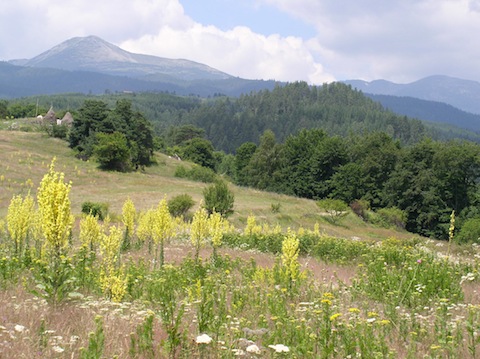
(54, 266)
(129, 215)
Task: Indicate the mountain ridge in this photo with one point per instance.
(460, 93)
(92, 53)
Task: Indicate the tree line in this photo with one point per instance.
(313, 142)
(228, 122)
(427, 180)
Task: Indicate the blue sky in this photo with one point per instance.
(303, 40)
(261, 18)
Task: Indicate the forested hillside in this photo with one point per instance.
(229, 122)
(312, 142)
(335, 107)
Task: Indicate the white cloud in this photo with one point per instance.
(238, 51)
(157, 27)
(44, 23)
(400, 39)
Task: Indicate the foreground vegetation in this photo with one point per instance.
(75, 286)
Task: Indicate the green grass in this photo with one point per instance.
(388, 295)
(25, 156)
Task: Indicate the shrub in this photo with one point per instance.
(470, 231)
(360, 207)
(180, 205)
(218, 198)
(334, 207)
(275, 207)
(99, 210)
(112, 151)
(196, 173)
(58, 131)
(392, 216)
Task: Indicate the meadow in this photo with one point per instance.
(287, 283)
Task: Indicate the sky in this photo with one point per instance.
(316, 41)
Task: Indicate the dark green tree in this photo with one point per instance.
(86, 125)
(243, 156)
(112, 152)
(414, 188)
(199, 151)
(94, 118)
(263, 169)
(219, 198)
(178, 135)
(3, 108)
(375, 155)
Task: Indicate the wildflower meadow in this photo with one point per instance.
(143, 284)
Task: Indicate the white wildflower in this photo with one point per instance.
(19, 328)
(279, 348)
(254, 349)
(58, 349)
(203, 339)
(469, 276)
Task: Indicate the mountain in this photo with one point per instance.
(93, 54)
(463, 94)
(22, 81)
(432, 111)
(92, 65)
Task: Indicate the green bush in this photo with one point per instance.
(196, 173)
(57, 131)
(392, 217)
(275, 207)
(470, 231)
(336, 208)
(112, 151)
(180, 205)
(99, 210)
(360, 207)
(218, 198)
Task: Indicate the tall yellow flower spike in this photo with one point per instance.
(290, 256)
(199, 230)
(90, 232)
(129, 215)
(20, 218)
(54, 207)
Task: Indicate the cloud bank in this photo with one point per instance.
(399, 40)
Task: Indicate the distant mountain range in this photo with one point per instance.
(92, 65)
(463, 94)
(96, 55)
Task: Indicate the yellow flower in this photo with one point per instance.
(90, 231)
(326, 301)
(252, 228)
(129, 215)
(54, 207)
(290, 256)
(335, 316)
(20, 218)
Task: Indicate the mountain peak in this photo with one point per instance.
(92, 53)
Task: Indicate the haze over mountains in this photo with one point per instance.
(92, 65)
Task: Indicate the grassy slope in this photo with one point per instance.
(26, 156)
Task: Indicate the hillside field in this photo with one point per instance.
(281, 284)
